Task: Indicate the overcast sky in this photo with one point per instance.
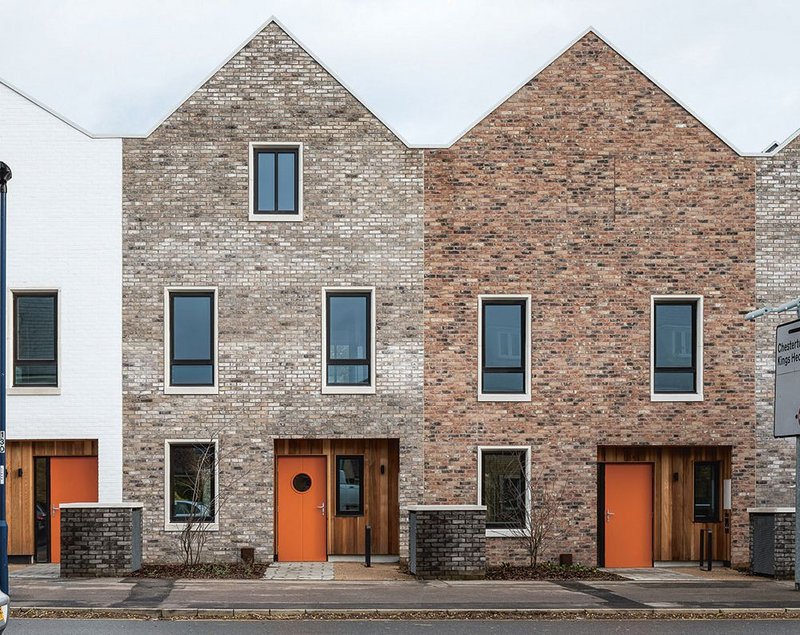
(428, 67)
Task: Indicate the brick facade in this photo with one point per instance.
(447, 541)
(591, 190)
(777, 281)
(100, 540)
(185, 208)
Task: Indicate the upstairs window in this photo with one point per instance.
(35, 339)
(504, 343)
(276, 182)
(191, 359)
(706, 491)
(349, 341)
(677, 338)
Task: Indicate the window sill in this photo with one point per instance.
(34, 390)
(182, 526)
(191, 390)
(503, 397)
(505, 533)
(348, 390)
(691, 396)
(276, 218)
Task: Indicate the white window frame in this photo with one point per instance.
(11, 389)
(169, 525)
(190, 390)
(681, 396)
(348, 390)
(285, 218)
(504, 532)
(526, 396)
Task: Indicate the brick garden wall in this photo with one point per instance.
(100, 541)
(448, 543)
(777, 281)
(591, 190)
(185, 208)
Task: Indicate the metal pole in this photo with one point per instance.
(797, 514)
(5, 176)
(368, 546)
(709, 548)
(702, 547)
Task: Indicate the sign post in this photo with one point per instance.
(787, 411)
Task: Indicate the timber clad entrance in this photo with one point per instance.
(628, 515)
(302, 508)
(362, 489)
(686, 494)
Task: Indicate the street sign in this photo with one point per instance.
(787, 380)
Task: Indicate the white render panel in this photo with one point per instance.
(65, 233)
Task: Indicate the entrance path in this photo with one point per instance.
(299, 571)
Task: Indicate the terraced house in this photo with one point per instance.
(588, 262)
(272, 294)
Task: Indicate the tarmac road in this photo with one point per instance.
(392, 627)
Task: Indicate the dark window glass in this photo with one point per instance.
(192, 467)
(349, 485)
(35, 339)
(41, 511)
(348, 339)
(192, 339)
(706, 491)
(276, 181)
(503, 489)
(301, 482)
(675, 351)
(503, 347)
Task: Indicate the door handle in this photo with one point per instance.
(609, 515)
(322, 508)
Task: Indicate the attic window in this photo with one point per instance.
(276, 181)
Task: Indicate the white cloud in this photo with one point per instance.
(429, 67)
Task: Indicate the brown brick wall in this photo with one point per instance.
(185, 222)
(591, 190)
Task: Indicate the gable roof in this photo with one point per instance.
(52, 112)
(235, 52)
(776, 147)
(638, 68)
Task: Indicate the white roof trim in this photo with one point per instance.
(55, 114)
(236, 51)
(623, 56)
(782, 145)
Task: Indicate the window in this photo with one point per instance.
(503, 474)
(706, 491)
(349, 341)
(676, 348)
(35, 339)
(191, 341)
(276, 181)
(504, 351)
(192, 483)
(349, 486)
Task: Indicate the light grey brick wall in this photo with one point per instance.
(777, 281)
(185, 223)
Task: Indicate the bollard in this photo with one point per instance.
(702, 547)
(368, 546)
(709, 550)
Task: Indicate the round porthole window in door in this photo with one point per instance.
(301, 482)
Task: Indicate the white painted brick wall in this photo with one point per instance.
(64, 207)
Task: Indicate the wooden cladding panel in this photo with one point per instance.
(381, 502)
(676, 536)
(20, 492)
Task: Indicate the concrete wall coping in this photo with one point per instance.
(770, 510)
(101, 505)
(446, 508)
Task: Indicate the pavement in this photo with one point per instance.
(644, 590)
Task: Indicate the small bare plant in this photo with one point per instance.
(529, 506)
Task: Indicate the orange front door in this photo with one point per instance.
(72, 480)
(628, 515)
(302, 508)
